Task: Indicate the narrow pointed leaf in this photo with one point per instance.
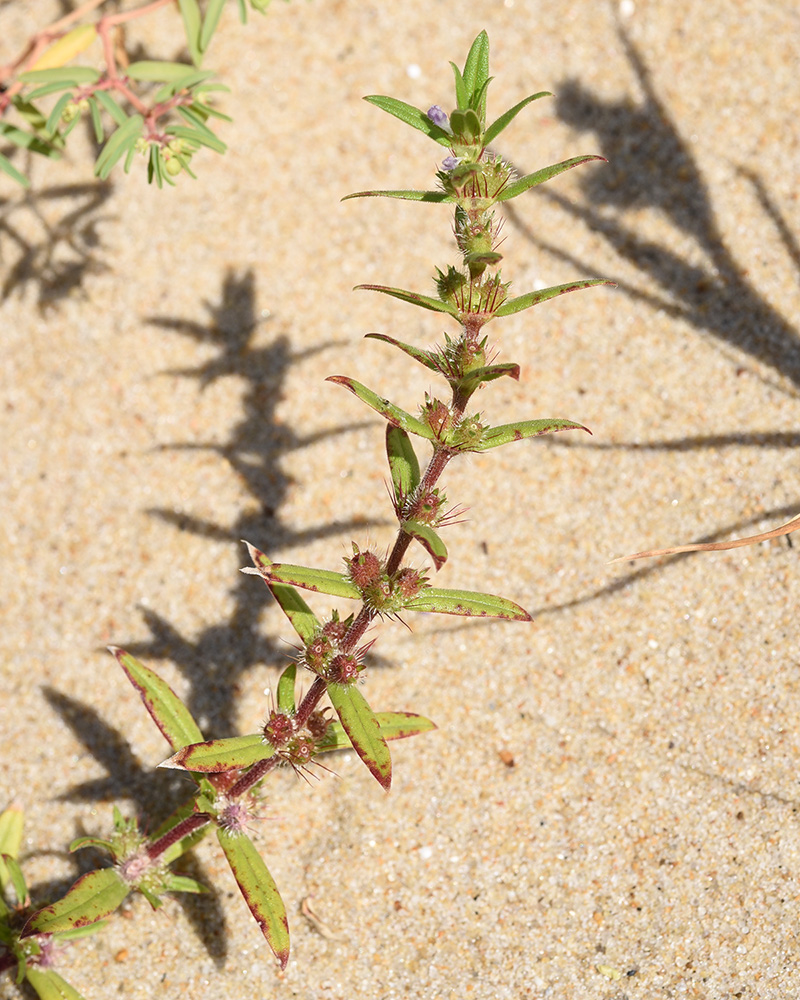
(386, 409)
(54, 118)
(80, 842)
(476, 68)
(156, 71)
(470, 382)
(505, 433)
(285, 695)
(182, 883)
(11, 821)
(403, 463)
(415, 298)
(324, 581)
(93, 897)
(214, 756)
(8, 168)
(363, 730)
(394, 726)
(417, 353)
(111, 106)
(17, 878)
(213, 13)
(190, 12)
(61, 74)
(116, 147)
(168, 712)
(411, 116)
(197, 137)
(436, 197)
(49, 985)
(259, 891)
(430, 541)
(516, 305)
(462, 97)
(525, 183)
(303, 619)
(97, 122)
(505, 120)
(467, 603)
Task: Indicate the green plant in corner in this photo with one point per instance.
(230, 773)
(152, 107)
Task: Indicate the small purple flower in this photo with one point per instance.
(438, 117)
(450, 163)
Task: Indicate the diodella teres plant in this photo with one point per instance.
(333, 713)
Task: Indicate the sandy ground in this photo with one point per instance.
(162, 397)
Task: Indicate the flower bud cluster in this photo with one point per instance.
(381, 593)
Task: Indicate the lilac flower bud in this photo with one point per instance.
(450, 163)
(438, 117)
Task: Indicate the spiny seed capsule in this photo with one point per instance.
(301, 750)
(409, 582)
(317, 653)
(279, 729)
(364, 568)
(344, 668)
(319, 724)
(437, 415)
(335, 629)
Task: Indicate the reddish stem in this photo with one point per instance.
(180, 830)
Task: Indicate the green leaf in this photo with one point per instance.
(428, 538)
(215, 756)
(29, 112)
(74, 75)
(505, 433)
(182, 883)
(462, 97)
(467, 603)
(303, 619)
(197, 123)
(94, 896)
(394, 726)
(411, 116)
(437, 197)
(16, 877)
(403, 463)
(285, 694)
(80, 842)
(470, 382)
(8, 168)
(186, 82)
(417, 353)
(119, 143)
(27, 140)
(213, 12)
(11, 821)
(415, 298)
(259, 891)
(99, 134)
(476, 72)
(50, 88)
(197, 137)
(386, 409)
(152, 70)
(522, 184)
(363, 730)
(168, 712)
(324, 581)
(111, 106)
(49, 985)
(190, 12)
(505, 120)
(529, 299)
